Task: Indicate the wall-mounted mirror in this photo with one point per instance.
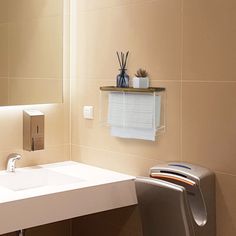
(31, 52)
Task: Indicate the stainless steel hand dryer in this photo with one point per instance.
(178, 199)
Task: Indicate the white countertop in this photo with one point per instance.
(96, 190)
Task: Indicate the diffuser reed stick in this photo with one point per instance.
(122, 80)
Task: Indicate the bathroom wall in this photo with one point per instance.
(4, 53)
(57, 116)
(31, 51)
(187, 46)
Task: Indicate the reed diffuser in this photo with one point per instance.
(122, 79)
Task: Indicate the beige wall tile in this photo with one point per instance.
(209, 40)
(209, 125)
(225, 202)
(3, 50)
(4, 11)
(154, 40)
(3, 91)
(19, 10)
(42, 8)
(33, 40)
(57, 126)
(66, 7)
(88, 5)
(10, 126)
(33, 91)
(14, 10)
(117, 161)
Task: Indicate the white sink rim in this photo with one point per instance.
(101, 190)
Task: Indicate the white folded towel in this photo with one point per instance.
(134, 115)
(134, 133)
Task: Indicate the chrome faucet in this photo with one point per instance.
(11, 161)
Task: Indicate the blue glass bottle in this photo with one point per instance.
(122, 79)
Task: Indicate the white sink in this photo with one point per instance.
(54, 192)
(36, 177)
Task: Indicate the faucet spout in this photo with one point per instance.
(11, 161)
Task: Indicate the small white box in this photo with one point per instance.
(88, 112)
(140, 82)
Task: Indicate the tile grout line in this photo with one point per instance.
(181, 83)
(70, 84)
(35, 78)
(9, 149)
(70, 73)
(224, 173)
(209, 81)
(8, 64)
(107, 79)
(132, 4)
(122, 153)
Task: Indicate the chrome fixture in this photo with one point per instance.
(11, 161)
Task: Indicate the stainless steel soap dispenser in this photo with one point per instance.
(33, 130)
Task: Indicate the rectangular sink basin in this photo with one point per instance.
(59, 191)
(24, 179)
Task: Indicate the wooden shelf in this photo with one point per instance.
(132, 90)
